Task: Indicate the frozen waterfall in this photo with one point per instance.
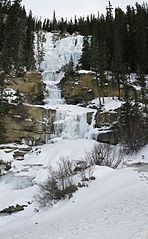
(71, 121)
(71, 126)
(53, 93)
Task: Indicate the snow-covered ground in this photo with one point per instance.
(113, 206)
(109, 103)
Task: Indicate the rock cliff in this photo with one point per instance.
(82, 88)
(30, 87)
(26, 119)
(28, 123)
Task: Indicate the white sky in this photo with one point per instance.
(70, 8)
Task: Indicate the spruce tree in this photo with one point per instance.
(85, 60)
(30, 61)
(117, 63)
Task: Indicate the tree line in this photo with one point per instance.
(16, 37)
(120, 34)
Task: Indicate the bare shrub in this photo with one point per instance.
(59, 185)
(86, 169)
(105, 155)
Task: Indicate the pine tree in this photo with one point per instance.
(132, 126)
(99, 54)
(13, 47)
(141, 36)
(85, 60)
(30, 61)
(117, 63)
(40, 49)
(141, 80)
(54, 21)
(109, 29)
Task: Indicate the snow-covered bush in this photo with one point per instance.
(64, 181)
(59, 185)
(105, 155)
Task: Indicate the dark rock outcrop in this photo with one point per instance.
(13, 209)
(108, 136)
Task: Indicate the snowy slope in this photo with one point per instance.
(113, 206)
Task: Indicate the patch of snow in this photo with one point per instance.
(85, 72)
(10, 95)
(109, 104)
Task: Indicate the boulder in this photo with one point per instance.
(107, 137)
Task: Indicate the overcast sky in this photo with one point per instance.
(70, 8)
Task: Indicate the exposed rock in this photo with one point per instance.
(109, 120)
(11, 147)
(30, 86)
(107, 137)
(75, 86)
(19, 155)
(82, 88)
(89, 117)
(106, 118)
(13, 209)
(29, 123)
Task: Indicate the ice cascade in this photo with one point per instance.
(71, 121)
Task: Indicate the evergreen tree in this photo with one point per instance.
(141, 38)
(85, 60)
(141, 80)
(13, 47)
(117, 64)
(109, 29)
(132, 127)
(30, 61)
(40, 49)
(130, 53)
(54, 21)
